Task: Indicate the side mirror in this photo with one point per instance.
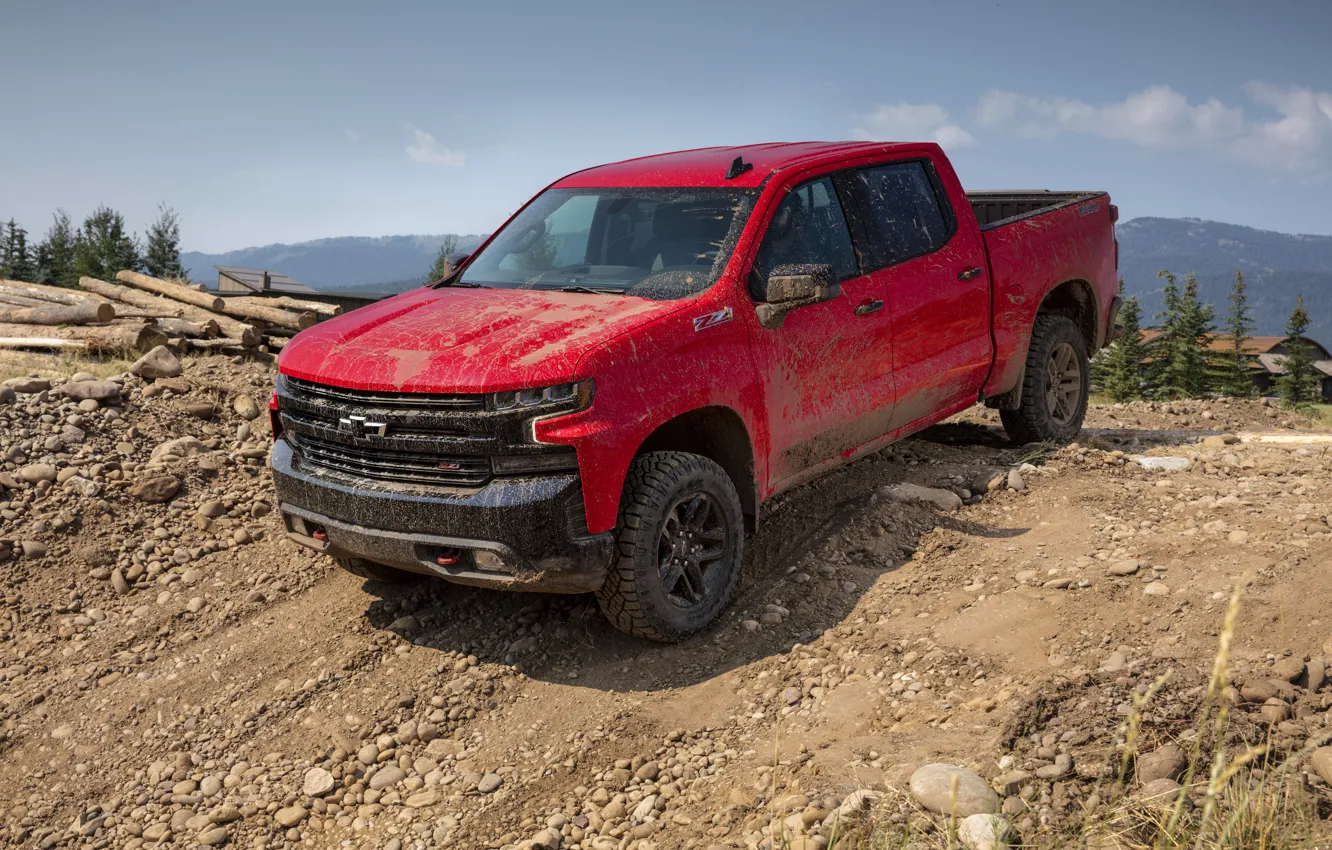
(790, 287)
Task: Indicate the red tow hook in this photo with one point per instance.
(319, 534)
(448, 557)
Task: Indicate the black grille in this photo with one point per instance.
(388, 465)
(371, 398)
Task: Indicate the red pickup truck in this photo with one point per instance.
(604, 393)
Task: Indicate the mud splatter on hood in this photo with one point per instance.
(464, 340)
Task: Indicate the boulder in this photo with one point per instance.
(157, 363)
(945, 500)
(932, 786)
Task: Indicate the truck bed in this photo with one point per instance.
(997, 208)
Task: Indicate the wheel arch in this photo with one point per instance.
(718, 433)
(1073, 298)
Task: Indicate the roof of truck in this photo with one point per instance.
(709, 166)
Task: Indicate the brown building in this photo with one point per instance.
(1267, 359)
(257, 281)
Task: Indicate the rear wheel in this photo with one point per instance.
(376, 572)
(1055, 385)
(679, 544)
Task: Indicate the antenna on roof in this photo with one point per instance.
(738, 167)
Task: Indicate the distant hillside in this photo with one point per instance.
(1276, 266)
(346, 262)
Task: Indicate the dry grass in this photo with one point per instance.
(1240, 796)
(62, 364)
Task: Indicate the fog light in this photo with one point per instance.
(489, 561)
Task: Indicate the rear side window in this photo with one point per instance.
(808, 227)
(905, 210)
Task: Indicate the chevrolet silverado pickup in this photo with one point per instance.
(603, 394)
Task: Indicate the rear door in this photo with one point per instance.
(827, 369)
(933, 274)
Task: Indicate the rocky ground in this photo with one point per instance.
(173, 673)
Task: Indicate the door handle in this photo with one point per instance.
(970, 273)
(869, 307)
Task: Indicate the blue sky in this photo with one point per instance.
(275, 121)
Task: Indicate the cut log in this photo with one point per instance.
(22, 300)
(297, 304)
(275, 343)
(174, 291)
(213, 344)
(110, 339)
(54, 294)
(134, 337)
(186, 328)
(60, 314)
(41, 342)
(270, 315)
(227, 326)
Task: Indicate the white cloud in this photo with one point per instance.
(911, 122)
(1295, 134)
(426, 149)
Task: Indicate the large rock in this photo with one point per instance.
(290, 816)
(158, 363)
(37, 472)
(7, 395)
(932, 786)
(154, 490)
(28, 384)
(1321, 761)
(245, 407)
(180, 447)
(387, 776)
(945, 500)
(95, 390)
(318, 782)
(984, 832)
(1166, 762)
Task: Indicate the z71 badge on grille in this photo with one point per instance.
(704, 322)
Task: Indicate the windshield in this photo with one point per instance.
(653, 243)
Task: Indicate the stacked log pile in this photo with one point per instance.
(136, 312)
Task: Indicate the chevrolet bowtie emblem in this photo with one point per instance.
(359, 424)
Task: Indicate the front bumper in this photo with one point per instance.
(512, 533)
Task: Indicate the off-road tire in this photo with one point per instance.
(633, 597)
(1034, 421)
(376, 572)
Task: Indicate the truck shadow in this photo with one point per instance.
(818, 549)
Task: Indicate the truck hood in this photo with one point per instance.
(464, 340)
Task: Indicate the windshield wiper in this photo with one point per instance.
(605, 290)
(464, 284)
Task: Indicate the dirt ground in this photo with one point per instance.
(173, 672)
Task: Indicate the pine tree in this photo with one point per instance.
(55, 254)
(1186, 327)
(443, 266)
(161, 255)
(1233, 379)
(16, 263)
(1297, 386)
(1123, 361)
(102, 246)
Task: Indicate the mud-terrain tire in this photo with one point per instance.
(376, 572)
(1055, 385)
(678, 547)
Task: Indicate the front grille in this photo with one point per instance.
(390, 465)
(404, 429)
(372, 398)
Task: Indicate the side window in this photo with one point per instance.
(808, 227)
(904, 210)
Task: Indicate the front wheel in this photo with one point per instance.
(1055, 385)
(679, 544)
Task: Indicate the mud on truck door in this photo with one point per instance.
(826, 367)
(934, 272)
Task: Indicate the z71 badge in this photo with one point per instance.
(702, 323)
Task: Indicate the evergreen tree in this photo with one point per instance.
(1186, 327)
(102, 246)
(16, 263)
(1122, 379)
(55, 254)
(443, 266)
(1233, 378)
(1297, 386)
(161, 255)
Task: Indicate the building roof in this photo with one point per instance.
(254, 279)
(709, 166)
(1221, 342)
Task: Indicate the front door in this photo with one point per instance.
(828, 369)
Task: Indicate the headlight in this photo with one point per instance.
(576, 396)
